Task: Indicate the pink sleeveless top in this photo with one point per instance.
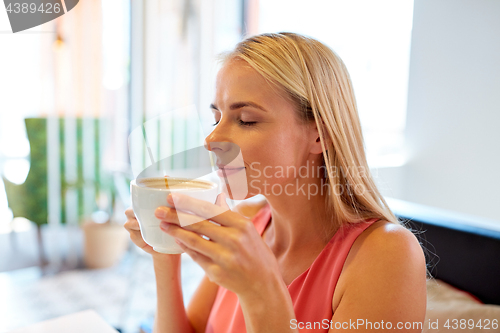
(311, 292)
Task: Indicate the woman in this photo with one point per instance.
(325, 252)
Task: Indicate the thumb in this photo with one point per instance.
(221, 201)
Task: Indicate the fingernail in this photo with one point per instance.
(160, 213)
(164, 225)
(170, 199)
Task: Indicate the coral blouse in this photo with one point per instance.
(311, 292)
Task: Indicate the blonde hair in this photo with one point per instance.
(317, 81)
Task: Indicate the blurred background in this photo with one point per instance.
(426, 77)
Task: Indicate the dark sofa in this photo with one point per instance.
(461, 250)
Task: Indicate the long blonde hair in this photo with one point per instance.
(317, 81)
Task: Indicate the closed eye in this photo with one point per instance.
(247, 123)
(242, 123)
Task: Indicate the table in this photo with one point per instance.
(80, 322)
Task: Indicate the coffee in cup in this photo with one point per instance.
(150, 193)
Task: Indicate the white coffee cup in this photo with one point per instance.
(150, 193)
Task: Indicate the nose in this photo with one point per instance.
(220, 143)
(217, 141)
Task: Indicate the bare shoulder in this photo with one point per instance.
(384, 237)
(384, 276)
(386, 249)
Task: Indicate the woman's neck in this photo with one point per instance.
(298, 221)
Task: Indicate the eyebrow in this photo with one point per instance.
(239, 105)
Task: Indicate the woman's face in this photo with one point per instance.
(257, 138)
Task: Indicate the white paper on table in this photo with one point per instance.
(80, 322)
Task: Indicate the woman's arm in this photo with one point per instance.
(170, 312)
(201, 304)
(270, 310)
(237, 259)
(385, 285)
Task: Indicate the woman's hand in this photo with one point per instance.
(235, 257)
(132, 226)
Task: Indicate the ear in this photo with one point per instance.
(315, 141)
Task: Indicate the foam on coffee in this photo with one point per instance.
(174, 183)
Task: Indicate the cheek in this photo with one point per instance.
(280, 152)
(289, 146)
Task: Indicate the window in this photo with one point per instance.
(173, 53)
(373, 39)
(21, 91)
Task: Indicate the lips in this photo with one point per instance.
(225, 171)
(228, 167)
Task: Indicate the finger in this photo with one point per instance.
(132, 225)
(167, 214)
(221, 201)
(129, 213)
(206, 210)
(212, 230)
(192, 222)
(192, 240)
(177, 217)
(197, 257)
(137, 239)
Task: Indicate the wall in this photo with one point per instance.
(453, 120)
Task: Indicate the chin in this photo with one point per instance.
(235, 186)
(236, 192)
